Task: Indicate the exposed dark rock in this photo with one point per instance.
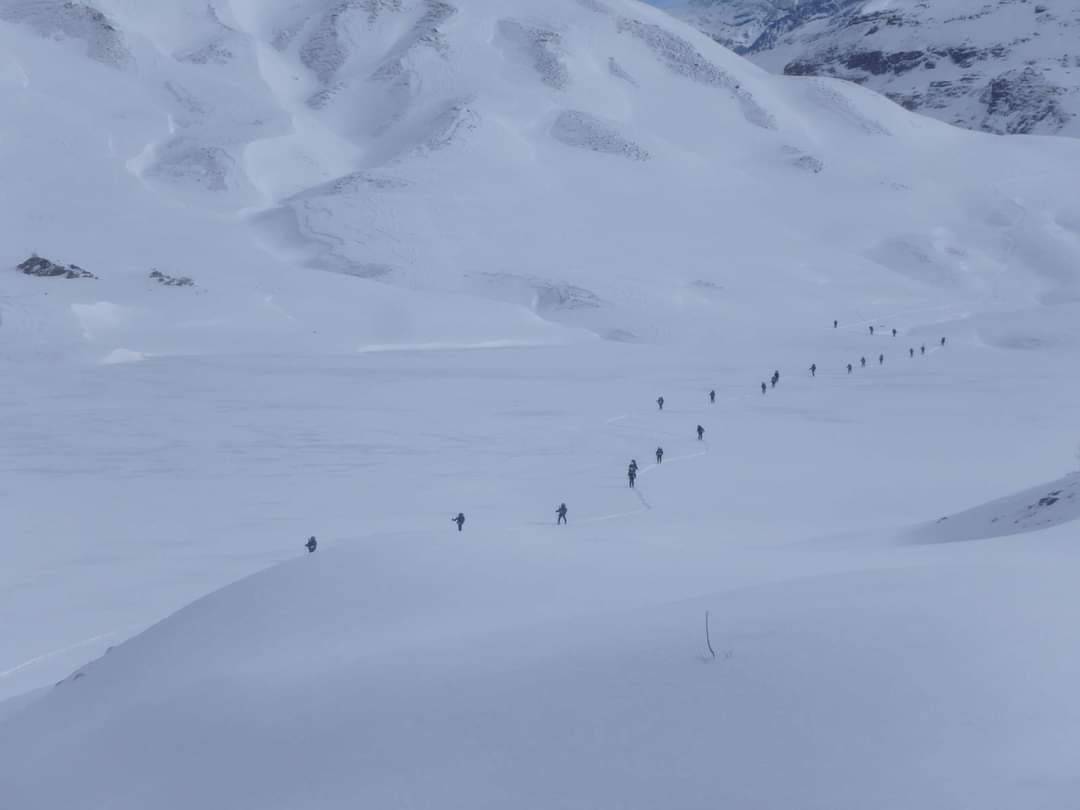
(1021, 101)
(43, 268)
(1001, 75)
(171, 281)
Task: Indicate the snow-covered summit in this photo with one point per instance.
(1003, 67)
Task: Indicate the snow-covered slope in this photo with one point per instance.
(408, 225)
(563, 160)
(1006, 67)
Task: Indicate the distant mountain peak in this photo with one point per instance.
(1006, 67)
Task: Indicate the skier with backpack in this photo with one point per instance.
(659, 455)
(311, 545)
(660, 402)
(712, 397)
(700, 433)
(813, 369)
(459, 519)
(561, 512)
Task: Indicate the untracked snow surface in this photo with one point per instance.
(353, 267)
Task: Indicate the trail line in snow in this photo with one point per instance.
(848, 327)
(53, 653)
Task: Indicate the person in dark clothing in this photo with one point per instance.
(700, 433)
(871, 330)
(459, 519)
(659, 455)
(813, 369)
(633, 464)
(894, 333)
(775, 378)
(943, 341)
(835, 323)
(849, 368)
(764, 388)
(881, 359)
(633, 477)
(561, 512)
(660, 402)
(311, 545)
(712, 397)
(922, 350)
(862, 362)
(911, 352)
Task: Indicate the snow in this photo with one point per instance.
(452, 256)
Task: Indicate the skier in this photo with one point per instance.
(922, 349)
(881, 359)
(764, 388)
(835, 323)
(561, 512)
(632, 475)
(700, 433)
(911, 352)
(849, 368)
(775, 378)
(311, 545)
(871, 331)
(660, 402)
(862, 362)
(894, 333)
(633, 465)
(712, 397)
(459, 519)
(943, 341)
(813, 369)
(659, 455)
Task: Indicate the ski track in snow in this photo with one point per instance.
(86, 642)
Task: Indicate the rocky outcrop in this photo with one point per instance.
(1006, 67)
(43, 268)
(171, 281)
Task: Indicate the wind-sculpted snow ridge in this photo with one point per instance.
(541, 295)
(184, 163)
(70, 20)
(833, 100)
(619, 72)
(583, 131)
(801, 160)
(542, 46)
(683, 58)
(1032, 510)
